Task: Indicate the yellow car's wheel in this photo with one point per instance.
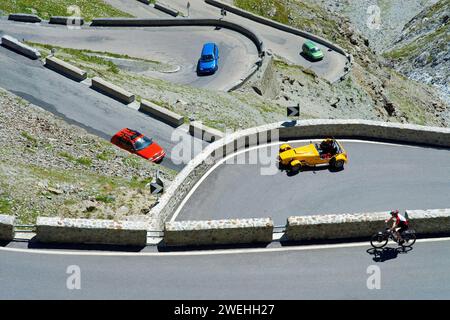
(337, 164)
(296, 165)
(285, 147)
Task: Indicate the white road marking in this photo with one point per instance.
(206, 252)
(197, 185)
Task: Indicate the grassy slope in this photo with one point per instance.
(89, 9)
(98, 179)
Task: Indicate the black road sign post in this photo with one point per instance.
(157, 185)
(188, 6)
(293, 111)
(223, 12)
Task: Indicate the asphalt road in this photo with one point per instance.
(77, 104)
(178, 46)
(378, 177)
(281, 43)
(327, 273)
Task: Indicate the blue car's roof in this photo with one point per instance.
(208, 48)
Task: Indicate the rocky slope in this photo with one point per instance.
(373, 90)
(380, 21)
(51, 168)
(422, 51)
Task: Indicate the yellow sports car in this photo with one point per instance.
(329, 151)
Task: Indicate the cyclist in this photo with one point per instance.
(400, 224)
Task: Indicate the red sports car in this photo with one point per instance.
(135, 142)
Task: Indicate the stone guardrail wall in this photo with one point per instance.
(23, 17)
(160, 113)
(426, 222)
(363, 225)
(78, 21)
(166, 9)
(15, 45)
(362, 129)
(6, 227)
(65, 68)
(200, 131)
(112, 90)
(214, 232)
(90, 231)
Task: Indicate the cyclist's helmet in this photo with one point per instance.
(394, 212)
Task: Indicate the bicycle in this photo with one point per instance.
(381, 238)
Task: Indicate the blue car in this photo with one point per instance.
(208, 63)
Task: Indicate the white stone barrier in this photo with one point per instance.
(161, 113)
(362, 225)
(65, 68)
(15, 45)
(90, 231)
(218, 232)
(200, 131)
(112, 90)
(6, 227)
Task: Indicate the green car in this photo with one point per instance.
(312, 51)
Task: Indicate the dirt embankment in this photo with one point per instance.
(51, 168)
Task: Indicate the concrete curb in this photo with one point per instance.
(89, 231)
(166, 9)
(15, 45)
(361, 129)
(363, 225)
(23, 17)
(65, 68)
(112, 90)
(161, 113)
(67, 21)
(218, 232)
(198, 130)
(6, 227)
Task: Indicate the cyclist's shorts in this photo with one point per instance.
(402, 227)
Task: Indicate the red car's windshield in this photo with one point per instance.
(142, 143)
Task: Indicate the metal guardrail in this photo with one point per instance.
(25, 228)
(279, 229)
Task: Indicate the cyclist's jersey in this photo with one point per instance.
(401, 220)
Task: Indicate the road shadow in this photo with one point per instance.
(293, 172)
(4, 243)
(34, 244)
(387, 253)
(286, 242)
(304, 56)
(204, 74)
(163, 247)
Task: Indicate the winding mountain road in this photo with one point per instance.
(378, 177)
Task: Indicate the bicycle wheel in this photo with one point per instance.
(410, 238)
(378, 241)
